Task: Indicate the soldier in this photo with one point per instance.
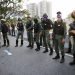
(20, 28)
(37, 30)
(29, 28)
(70, 45)
(47, 25)
(41, 36)
(59, 33)
(4, 29)
(72, 33)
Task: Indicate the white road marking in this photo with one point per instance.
(8, 53)
(69, 55)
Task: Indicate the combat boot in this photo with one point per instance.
(73, 62)
(38, 47)
(62, 59)
(21, 43)
(32, 46)
(57, 56)
(46, 50)
(4, 43)
(16, 43)
(51, 51)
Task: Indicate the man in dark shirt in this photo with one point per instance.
(20, 28)
(4, 29)
(29, 28)
(59, 33)
(72, 33)
(37, 31)
(47, 25)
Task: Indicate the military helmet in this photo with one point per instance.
(58, 12)
(45, 15)
(35, 20)
(19, 19)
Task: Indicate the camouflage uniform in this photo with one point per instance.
(29, 28)
(47, 25)
(59, 33)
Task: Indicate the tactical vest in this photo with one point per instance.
(28, 25)
(46, 24)
(37, 27)
(4, 28)
(72, 27)
(59, 28)
(20, 27)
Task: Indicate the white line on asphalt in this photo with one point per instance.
(8, 53)
(69, 55)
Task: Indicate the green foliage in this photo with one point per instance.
(10, 21)
(19, 0)
(5, 6)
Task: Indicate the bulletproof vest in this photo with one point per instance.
(72, 27)
(46, 24)
(59, 28)
(36, 27)
(20, 27)
(4, 28)
(28, 25)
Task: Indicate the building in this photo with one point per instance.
(45, 7)
(33, 9)
(40, 8)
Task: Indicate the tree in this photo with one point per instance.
(7, 6)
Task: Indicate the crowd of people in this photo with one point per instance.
(38, 32)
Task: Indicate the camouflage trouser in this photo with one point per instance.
(37, 40)
(20, 33)
(73, 51)
(46, 39)
(41, 38)
(5, 38)
(58, 44)
(37, 37)
(30, 37)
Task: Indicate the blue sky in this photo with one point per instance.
(65, 6)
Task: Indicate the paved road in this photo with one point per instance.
(26, 61)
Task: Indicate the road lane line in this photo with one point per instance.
(8, 53)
